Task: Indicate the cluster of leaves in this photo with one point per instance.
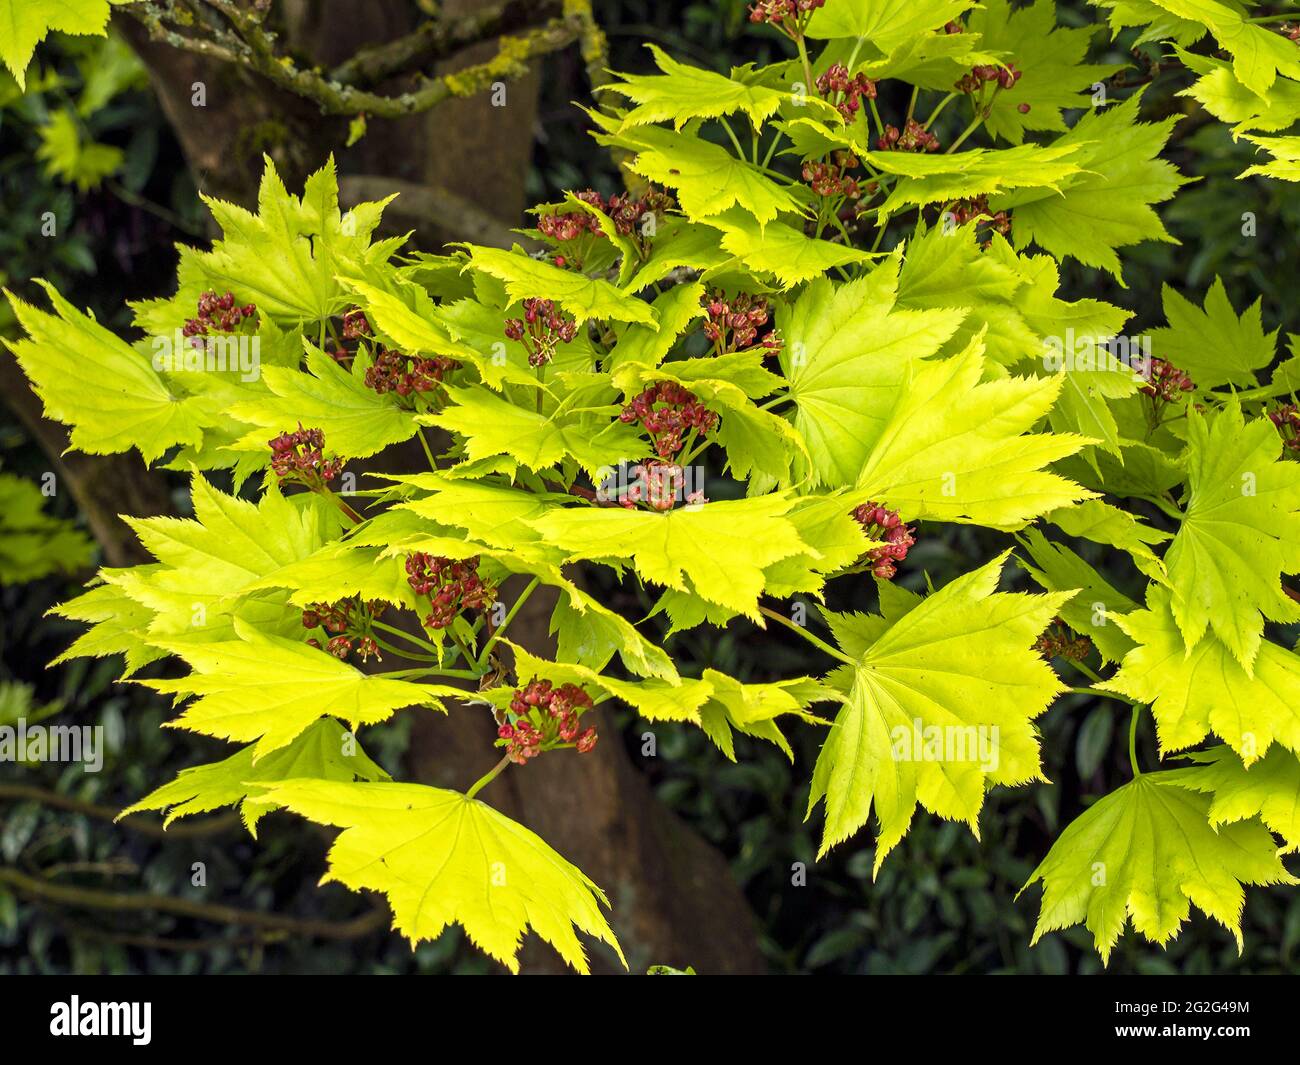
(34, 543)
(909, 377)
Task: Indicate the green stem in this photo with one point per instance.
(1170, 510)
(505, 622)
(487, 777)
(401, 652)
(428, 452)
(464, 650)
(1132, 740)
(1099, 693)
(810, 83)
(834, 652)
(938, 110)
(735, 141)
(457, 674)
(418, 641)
(342, 504)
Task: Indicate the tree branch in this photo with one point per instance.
(209, 826)
(247, 43)
(439, 39)
(92, 898)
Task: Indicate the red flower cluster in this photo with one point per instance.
(1059, 642)
(541, 329)
(1287, 419)
(452, 585)
(1165, 381)
(831, 179)
(299, 458)
(355, 324)
(1006, 77)
(844, 91)
(348, 622)
(788, 16)
(406, 375)
(881, 523)
(218, 314)
(964, 211)
(546, 717)
(658, 484)
(623, 209)
(914, 138)
(667, 411)
(733, 325)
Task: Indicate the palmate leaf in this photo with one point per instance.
(721, 548)
(1240, 532)
(678, 243)
(1156, 23)
(1096, 604)
(958, 449)
(714, 702)
(975, 172)
(443, 859)
(1215, 345)
(755, 440)
(707, 178)
(323, 752)
(89, 379)
(780, 250)
(287, 258)
(753, 709)
(270, 689)
(32, 542)
(1286, 158)
(492, 425)
(341, 570)
(1108, 207)
(1103, 523)
(117, 626)
(25, 23)
(1269, 789)
(1227, 99)
(1193, 692)
(684, 92)
(1147, 851)
(357, 421)
(940, 702)
(946, 267)
(1258, 54)
(886, 23)
(676, 309)
(205, 563)
(848, 354)
(581, 296)
(588, 633)
(1050, 59)
(415, 325)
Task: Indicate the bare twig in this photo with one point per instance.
(210, 826)
(94, 899)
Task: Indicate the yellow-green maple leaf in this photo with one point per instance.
(940, 697)
(442, 859)
(1147, 851)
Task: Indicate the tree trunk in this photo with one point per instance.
(674, 900)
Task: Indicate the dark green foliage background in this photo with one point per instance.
(943, 902)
